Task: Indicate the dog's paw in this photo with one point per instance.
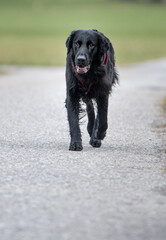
(75, 146)
(95, 142)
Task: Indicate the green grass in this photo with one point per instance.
(34, 32)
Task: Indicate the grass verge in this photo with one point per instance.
(34, 32)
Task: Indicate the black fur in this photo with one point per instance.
(91, 51)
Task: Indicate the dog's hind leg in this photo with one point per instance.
(100, 125)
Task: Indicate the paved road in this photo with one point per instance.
(117, 192)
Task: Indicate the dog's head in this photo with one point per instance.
(87, 46)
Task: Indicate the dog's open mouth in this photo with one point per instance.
(82, 70)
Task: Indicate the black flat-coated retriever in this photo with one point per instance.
(90, 74)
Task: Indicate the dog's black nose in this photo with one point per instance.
(81, 60)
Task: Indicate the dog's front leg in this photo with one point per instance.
(102, 104)
(73, 118)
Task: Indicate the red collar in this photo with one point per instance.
(105, 60)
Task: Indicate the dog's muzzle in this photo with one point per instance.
(82, 70)
(81, 64)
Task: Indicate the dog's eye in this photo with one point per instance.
(90, 45)
(78, 44)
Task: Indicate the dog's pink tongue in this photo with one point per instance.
(82, 68)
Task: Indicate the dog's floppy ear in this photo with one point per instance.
(69, 41)
(104, 45)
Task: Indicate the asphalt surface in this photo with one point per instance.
(116, 192)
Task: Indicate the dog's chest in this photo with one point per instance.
(85, 88)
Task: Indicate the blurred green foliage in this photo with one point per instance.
(33, 32)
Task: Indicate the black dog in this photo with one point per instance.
(90, 74)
